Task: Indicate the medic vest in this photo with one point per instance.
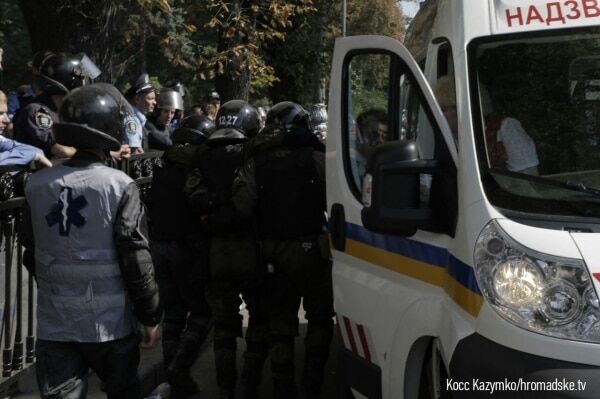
(81, 294)
(291, 200)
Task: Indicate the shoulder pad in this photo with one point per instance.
(193, 180)
(42, 118)
(132, 126)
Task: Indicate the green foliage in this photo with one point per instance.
(280, 48)
(243, 28)
(14, 40)
(375, 17)
(303, 61)
(369, 80)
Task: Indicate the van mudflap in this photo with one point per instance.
(358, 374)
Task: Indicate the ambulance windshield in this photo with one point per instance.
(536, 102)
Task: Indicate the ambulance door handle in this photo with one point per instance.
(337, 227)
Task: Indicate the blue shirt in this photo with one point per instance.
(134, 134)
(15, 153)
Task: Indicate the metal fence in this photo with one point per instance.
(16, 338)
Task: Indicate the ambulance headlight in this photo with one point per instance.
(517, 281)
(538, 292)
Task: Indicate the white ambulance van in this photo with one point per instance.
(466, 233)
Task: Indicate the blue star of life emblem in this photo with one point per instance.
(66, 211)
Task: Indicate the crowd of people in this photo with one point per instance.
(235, 212)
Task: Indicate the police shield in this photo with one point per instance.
(88, 68)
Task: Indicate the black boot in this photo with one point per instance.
(251, 375)
(226, 394)
(225, 363)
(254, 360)
(182, 384)
(313, 371)
(284, 388)
(178, 371)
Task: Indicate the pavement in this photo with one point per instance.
(151, 368)
(152, 373)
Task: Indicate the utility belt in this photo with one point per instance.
(268, 264)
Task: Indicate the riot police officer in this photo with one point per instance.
(283, 185)
(180, 254)
(59, 74)
(232, 249)
(159, 123)
(86, 245)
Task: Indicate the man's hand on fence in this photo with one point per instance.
(41, 160)
(123, 153)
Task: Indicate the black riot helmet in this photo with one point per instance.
(287, 114)
(62, 72)
(94, 117)
(239, 115)
(194, 129)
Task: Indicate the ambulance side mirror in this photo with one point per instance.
(392, 186)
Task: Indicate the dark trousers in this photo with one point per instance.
(62, 368)
(234, 272)
(181, 271)
(300, 269)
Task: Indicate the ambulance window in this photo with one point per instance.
(415, 125)
(444, 87)
(445, 64)
(369, 118)
(383, 105)
(536, 117)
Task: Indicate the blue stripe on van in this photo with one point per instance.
(430, 254)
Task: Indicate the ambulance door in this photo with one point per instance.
(391, 183)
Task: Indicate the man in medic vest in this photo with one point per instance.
(86, 245)
(232, 249)
(180, 253)
(283, 186)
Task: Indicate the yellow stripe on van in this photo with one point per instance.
(434, 275)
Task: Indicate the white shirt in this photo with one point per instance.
(520, 148)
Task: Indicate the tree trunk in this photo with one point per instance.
(43, 24)
(234, 84)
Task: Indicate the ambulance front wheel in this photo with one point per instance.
(434, 374)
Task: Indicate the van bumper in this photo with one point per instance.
(479, 362)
